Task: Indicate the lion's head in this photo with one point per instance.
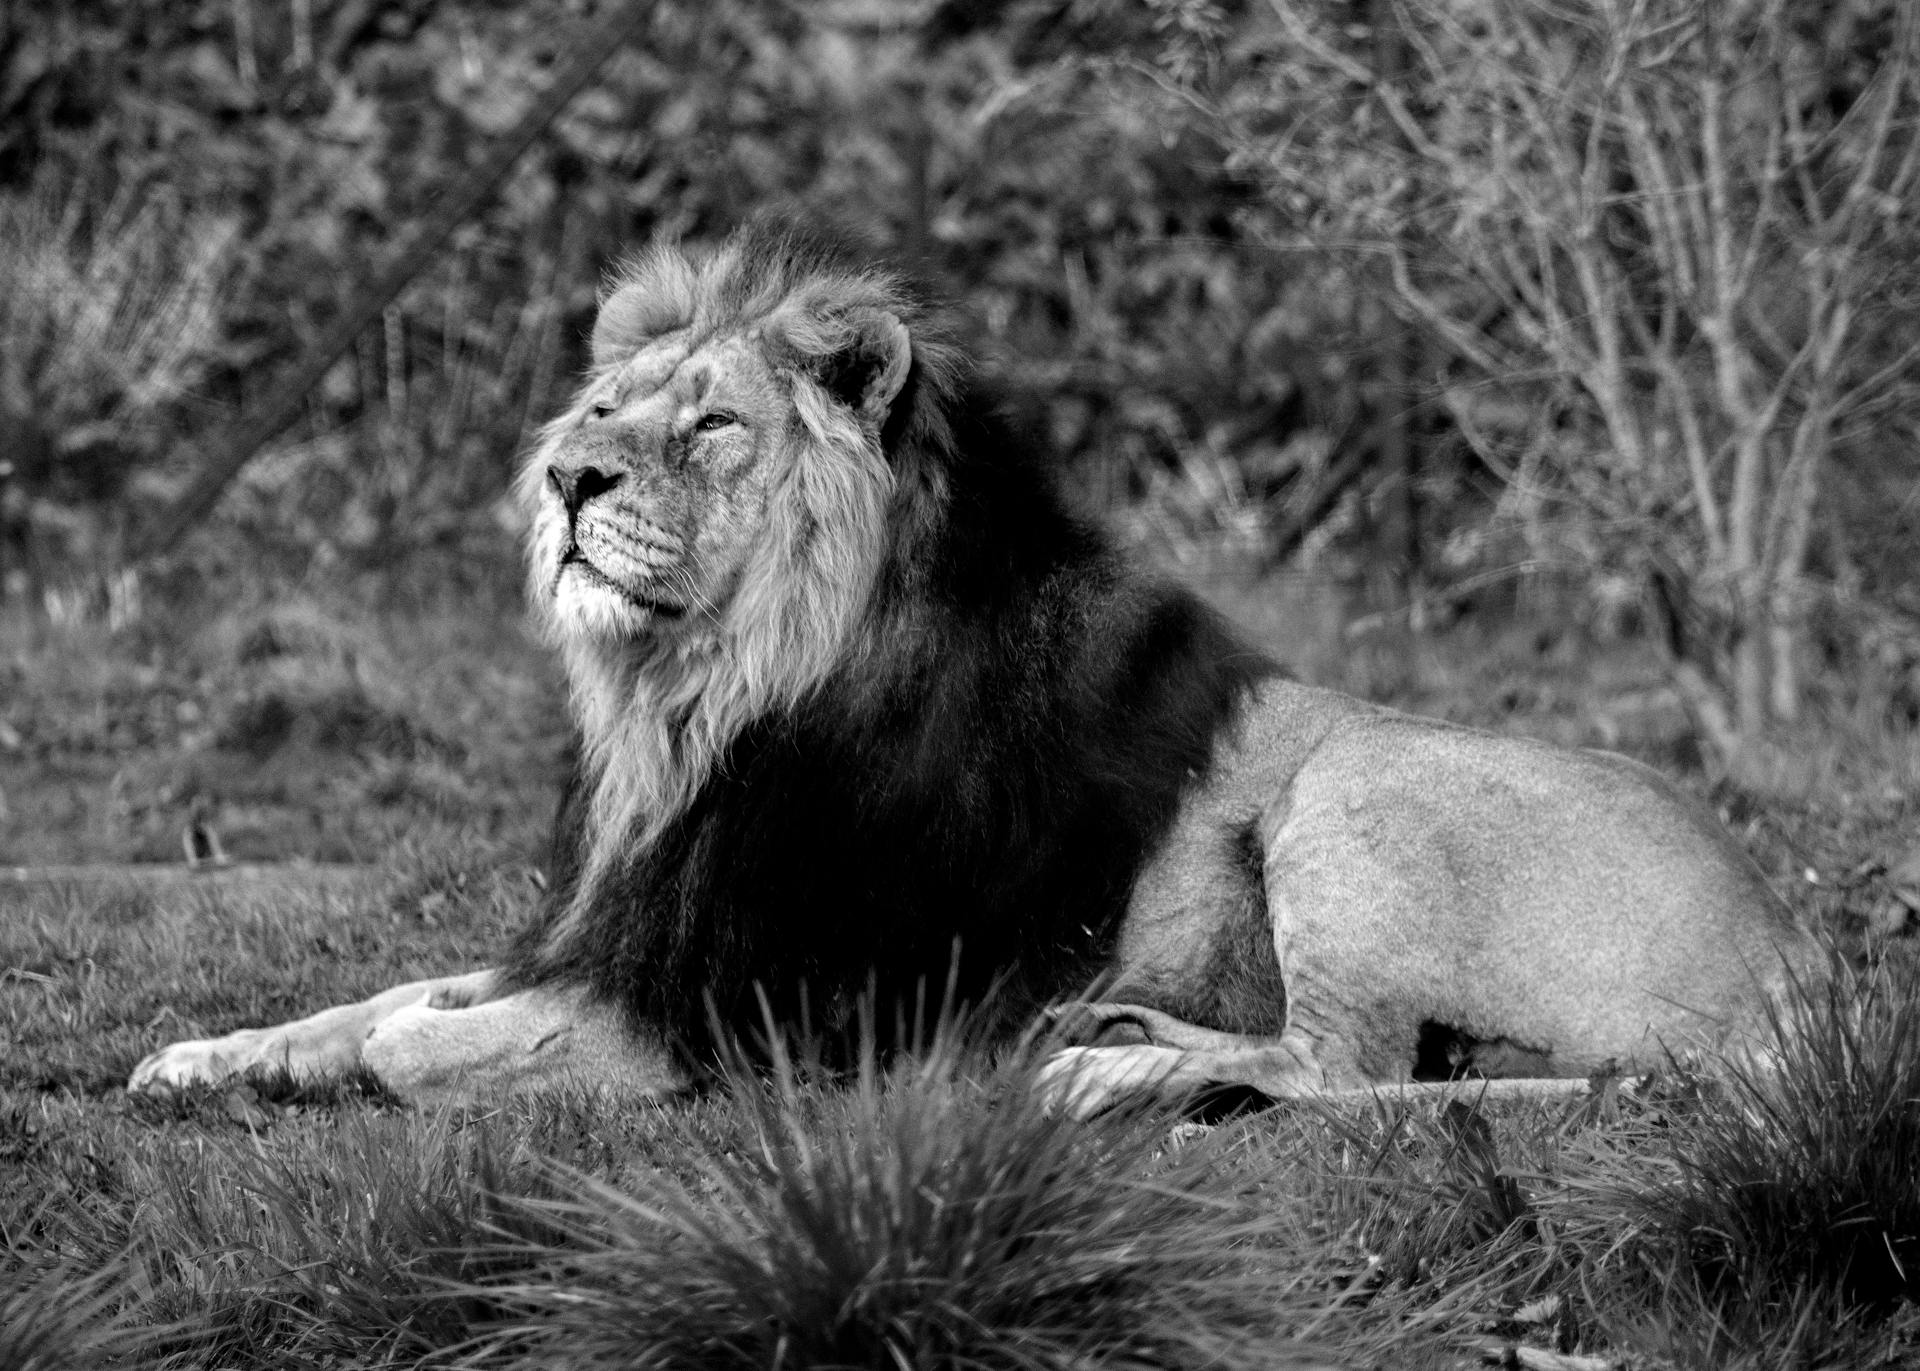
(709, 515)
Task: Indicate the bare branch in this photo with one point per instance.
(1355, 71)
(1469, 343)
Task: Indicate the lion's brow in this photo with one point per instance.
(655, 367)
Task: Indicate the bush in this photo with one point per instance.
(110, 310)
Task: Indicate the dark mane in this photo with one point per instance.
(989, 768)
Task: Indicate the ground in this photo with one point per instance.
(394, 756)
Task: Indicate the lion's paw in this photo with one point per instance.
(200, 1061)
(1081, 1082)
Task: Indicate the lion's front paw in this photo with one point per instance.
(201, 1061)
(1081, 1082)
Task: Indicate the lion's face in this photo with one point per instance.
(654, 489)
(709, 518)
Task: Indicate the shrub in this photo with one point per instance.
(111, 312)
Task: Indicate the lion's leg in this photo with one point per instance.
(321, 1046)
(1178, 1060)
(1182, 1059)
(1083, 1081)
(544, 1037)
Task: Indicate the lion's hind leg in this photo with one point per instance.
(1181, 1060)
(1178, 1060)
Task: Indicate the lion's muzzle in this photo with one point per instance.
(575, 485)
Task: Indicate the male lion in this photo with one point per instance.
(853, 689)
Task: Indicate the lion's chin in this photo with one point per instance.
(587, 604)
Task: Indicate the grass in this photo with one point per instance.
(928, 1215)
(936, 1219)
(328, 723)
(1804, 1184)
(57, 1319)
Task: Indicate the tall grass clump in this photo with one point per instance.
(921, 1219)
(1808, 1171)
(1782, 1203)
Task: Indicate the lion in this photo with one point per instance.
(863, 707)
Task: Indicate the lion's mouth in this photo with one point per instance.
(573, 559)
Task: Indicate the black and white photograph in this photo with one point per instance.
(959, 685)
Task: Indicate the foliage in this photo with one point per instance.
(111, 314)
(1663, 257)
(1019, 154)
(1318, 274)
(56, 1319)
(1767, 1209)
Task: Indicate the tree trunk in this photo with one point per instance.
(1395, 353)
(1783, 641)
(1750, 673)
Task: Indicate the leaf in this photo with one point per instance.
(242, 1105)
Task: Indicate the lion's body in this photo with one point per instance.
(853, 689)
(1438, 899)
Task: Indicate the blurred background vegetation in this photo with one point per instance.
(1596, 317)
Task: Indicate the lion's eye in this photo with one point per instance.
(707, 423)
(602, 408)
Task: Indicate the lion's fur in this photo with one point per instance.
(940, 710)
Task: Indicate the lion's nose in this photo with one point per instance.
(577, 485)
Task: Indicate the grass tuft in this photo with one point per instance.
(1805, 1174)
(928, 1220)
(1768, 1215)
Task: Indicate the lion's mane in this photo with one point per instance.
(947, 715)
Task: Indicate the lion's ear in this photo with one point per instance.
(867, 373)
